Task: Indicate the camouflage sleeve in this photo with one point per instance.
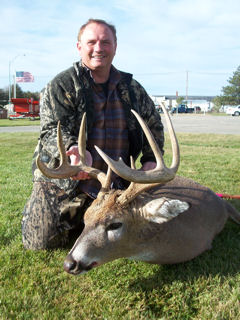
(153, 119)
(57, 105)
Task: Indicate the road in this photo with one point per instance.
(182, 123)
(205, 124)
(20, 129)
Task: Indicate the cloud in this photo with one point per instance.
(158, 40)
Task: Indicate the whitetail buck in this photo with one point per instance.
(161, 218)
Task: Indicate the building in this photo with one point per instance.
(3, 113)
(204, 102)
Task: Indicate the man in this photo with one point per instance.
(107, 95)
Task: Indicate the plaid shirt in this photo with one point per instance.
(109, 131)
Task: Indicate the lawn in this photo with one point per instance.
(33, 285)
(18, 122)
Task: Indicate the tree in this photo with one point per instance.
(217, 103)
(180, 100)
(231, 93)
(3, 96)
(19, 92)
(34, 95)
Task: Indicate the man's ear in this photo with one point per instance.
(79, 47)
(115, 48)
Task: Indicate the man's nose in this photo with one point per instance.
(98, 46)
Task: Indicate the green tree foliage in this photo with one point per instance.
(217, 103)
(180, 100)
(34, 95)
(231, 92)
(4, 94)
(19, 92)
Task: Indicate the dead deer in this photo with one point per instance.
(160, 218)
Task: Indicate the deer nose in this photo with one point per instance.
(69, 264)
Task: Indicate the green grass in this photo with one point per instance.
(33, 285)
(18, 122)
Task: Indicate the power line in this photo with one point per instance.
(157, 73)
(211, 73)
(182, 72)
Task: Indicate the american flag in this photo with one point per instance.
(22, 76)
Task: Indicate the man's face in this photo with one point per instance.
(97, 47)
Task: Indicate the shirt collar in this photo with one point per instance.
(114, 76)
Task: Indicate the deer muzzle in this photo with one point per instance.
(73, 267)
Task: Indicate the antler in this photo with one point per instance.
(161, 173)
(144, 180)
(140, 180)
(65, 170)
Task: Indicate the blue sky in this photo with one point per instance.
(158, 40)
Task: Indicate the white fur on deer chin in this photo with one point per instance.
(143, 256)
(164, 209)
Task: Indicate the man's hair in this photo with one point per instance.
(98, 21)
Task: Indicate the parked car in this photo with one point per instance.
(233, 110)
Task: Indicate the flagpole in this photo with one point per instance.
(9, 76)
(14, 81)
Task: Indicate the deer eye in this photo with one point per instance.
(114, 226)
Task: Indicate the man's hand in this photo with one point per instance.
(74, 158)
(149, 165)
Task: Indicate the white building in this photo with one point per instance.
(204, 102)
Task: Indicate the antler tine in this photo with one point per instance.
(103, 178)
(161, 173)
(156, 151)
(173, 139)
(106, 183)
(61, 148)
(82, 140)
(65, 170)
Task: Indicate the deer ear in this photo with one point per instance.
(164, 209)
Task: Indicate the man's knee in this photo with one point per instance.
(41, 215)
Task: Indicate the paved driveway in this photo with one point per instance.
(205, 124)
(20, 129)
(190, 123)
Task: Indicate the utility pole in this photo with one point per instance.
(186, 86)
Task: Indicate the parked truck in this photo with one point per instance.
(182, 108)
(233, 110)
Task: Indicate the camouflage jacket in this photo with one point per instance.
(68, 96)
